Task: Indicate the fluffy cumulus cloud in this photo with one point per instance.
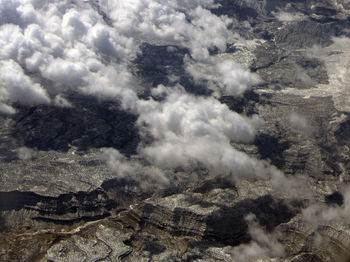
(181, 114)
(65, 44)
(51, 48)
(66, 72)
(188, 23)
(189, 131)
(69, 45)
(16, 86)
(223, 76)
(17, 12)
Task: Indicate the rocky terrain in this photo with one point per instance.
(61, 199)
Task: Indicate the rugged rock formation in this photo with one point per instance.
(62, 203)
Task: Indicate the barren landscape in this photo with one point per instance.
(175, 130)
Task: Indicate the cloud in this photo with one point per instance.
(262, 246)
(66, 72)
(6, 109)
(73, 26)
(61, 101)
(236, 80)
(25, 153)
(223, 76)
(189, 132)
(51, 48)
(186, 23)
(322, 214)
(16, 12)
(68, 47)
(188, 115)
(110, 44)
(289, 186)
(326, 224)
(299, 124)
(148, 177)
(17, 87)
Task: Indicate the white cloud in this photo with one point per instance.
(70, 45)
(73, 26)
(191, 131)
(25, 153)
(187, 23)
(299, 124)
(15, 86)
(108, 42)
(210, 30)
(60, 101)
(149, 177)
(236, 80)
(187, 115)
(223, 76)
(322, 214)
(113, 82)
(27, 13)
(262, 246)
(11, 39)
(8, 12)
(6, 109)
(66, 72)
